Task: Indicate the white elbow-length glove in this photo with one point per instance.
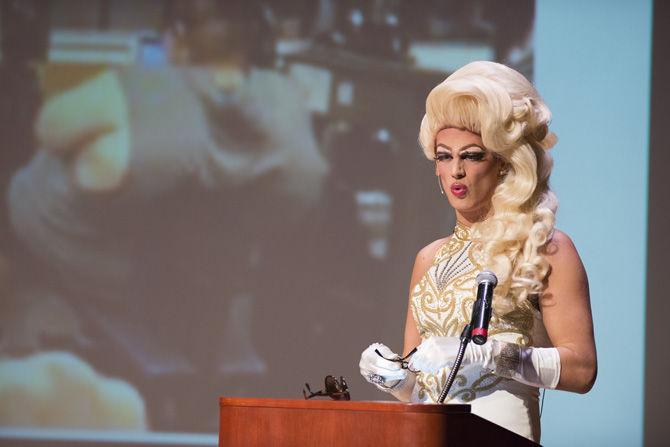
(386, 375)
(538, 367)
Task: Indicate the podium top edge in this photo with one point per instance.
(361, 405)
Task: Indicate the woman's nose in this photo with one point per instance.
(457, 170)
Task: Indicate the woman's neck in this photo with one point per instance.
(469, 219)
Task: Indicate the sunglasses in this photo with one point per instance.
(336, 389)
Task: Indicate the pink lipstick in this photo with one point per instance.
(459, 190)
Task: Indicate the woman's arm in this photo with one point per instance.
(424, 260)
(566, 312)
(387, 375)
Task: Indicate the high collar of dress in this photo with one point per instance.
(462, 232)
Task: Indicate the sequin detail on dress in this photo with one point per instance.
(441, 304)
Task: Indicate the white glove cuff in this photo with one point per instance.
(403, 389)
(539, 367)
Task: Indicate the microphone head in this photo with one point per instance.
(487, 276)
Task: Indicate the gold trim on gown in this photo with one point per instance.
(441, 304)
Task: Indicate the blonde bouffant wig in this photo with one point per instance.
(502, 106)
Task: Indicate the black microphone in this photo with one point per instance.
(481, 310)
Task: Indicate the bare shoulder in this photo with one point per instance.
(567, 278)
(424, 259)
(560, 250)
(427, 253)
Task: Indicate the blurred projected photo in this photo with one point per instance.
(205, 198)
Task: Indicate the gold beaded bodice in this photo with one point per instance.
(441, 304)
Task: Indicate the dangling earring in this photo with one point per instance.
(439, 182)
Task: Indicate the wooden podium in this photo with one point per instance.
(327, 423)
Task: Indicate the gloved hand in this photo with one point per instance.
(539, 367)
(438, 352)
(386, 375)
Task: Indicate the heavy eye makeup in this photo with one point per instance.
(442, 156)
(473, 155)
(466, 155)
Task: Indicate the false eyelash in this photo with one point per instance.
(474, 156)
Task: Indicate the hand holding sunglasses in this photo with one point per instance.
(387, 370)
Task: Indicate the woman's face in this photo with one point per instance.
(468, 172)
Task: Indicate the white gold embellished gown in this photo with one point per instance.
(441, 304)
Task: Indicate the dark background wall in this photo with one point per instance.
(657, 360)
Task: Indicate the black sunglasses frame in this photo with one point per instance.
(404, 363)
(336, 389)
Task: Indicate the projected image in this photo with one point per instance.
(207, 198)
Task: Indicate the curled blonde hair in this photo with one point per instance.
(502, 106)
